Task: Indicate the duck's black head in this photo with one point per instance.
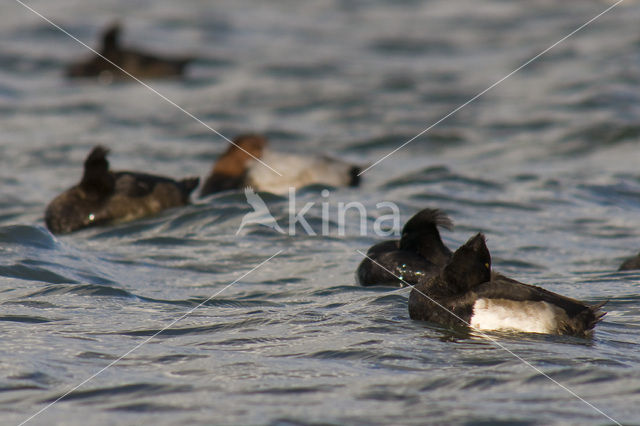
(111, 39)
(420, 235)
(97, 178)
(469, 266)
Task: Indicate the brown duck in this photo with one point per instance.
(104, 197)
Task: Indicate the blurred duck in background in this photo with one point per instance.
(140, 64)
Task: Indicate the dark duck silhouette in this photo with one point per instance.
(140, 64)
(485, 301)
(104, 196)
(418, 253)
(630, 264)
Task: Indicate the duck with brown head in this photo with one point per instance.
(137, 63)
(104, 196)
(466, 293)
(239, 167)
(230, 171)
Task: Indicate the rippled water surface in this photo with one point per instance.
(546, 164)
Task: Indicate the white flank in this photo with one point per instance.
(297, 171)
(503, 314)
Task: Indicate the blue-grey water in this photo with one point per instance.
(545, 164)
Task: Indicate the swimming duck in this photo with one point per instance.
(238, 168)
(485, 301)
(630, 263)
(139, 64)
(418, 253)
(103, 196)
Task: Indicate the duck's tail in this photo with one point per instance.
(598, 314)
(582, 324)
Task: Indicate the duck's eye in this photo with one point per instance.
(486, 265)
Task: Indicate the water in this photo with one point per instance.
(545, 164)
